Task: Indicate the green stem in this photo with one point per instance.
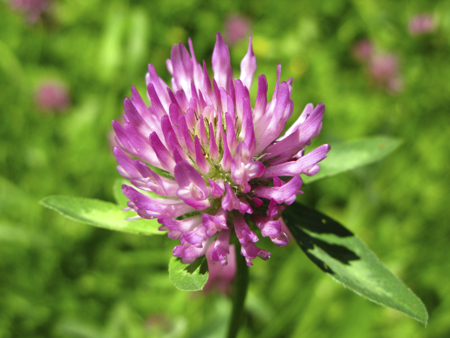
(239, 293)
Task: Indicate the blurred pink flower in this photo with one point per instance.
(362, 50)
(421, 24)
(31, 9)
(158, 325)
(52, 96)
(221, 276)
(383, 67)
(237, 27)
(384, 70)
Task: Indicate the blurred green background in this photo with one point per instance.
(64, 279)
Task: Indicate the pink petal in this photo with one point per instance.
(221, 63)
(148, 207)
(164, 157)
(295, 168)
(213, 150)
(221, 248)
(268, 227)
(248, 66)
(203, 136)
(217, 190)
(201, 161)
(214, 223)
(230, 201)
(261, 99)
(226, 159)
(178, 227)
(156, 102)
(185, 136)
(243, 232)
(231, 133)
(298, 139)
(279, 194)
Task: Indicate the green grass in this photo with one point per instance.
(59, 278)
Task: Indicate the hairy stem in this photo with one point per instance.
(239, 293)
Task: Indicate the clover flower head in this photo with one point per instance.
(219, 166)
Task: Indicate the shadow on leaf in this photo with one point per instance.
(337, 251)
(306, 222)
(308, 243)
(199, 262)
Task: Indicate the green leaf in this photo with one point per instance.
(350, 155)
(101, 214)
(120, 198)
(188, 277)
(337, 251)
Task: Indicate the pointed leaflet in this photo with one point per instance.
(337, 251)
(350, 155)
(101, 214)
(188, 277)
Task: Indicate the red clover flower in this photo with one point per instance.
(216, 163)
